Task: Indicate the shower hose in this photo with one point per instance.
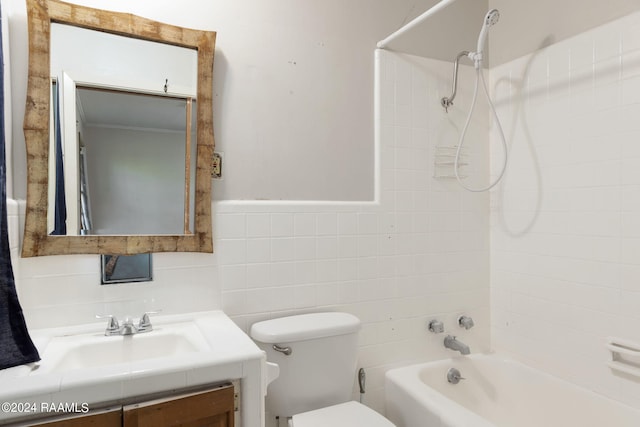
(480, 77)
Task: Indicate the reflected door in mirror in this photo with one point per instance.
(135, 164)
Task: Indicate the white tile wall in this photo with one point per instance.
(66, 290)
(420, 252)
(565, 258)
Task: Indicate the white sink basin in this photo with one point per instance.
(81, 351)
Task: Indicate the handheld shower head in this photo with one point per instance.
(491, 18)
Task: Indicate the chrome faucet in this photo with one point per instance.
(127, 327)
(452, 343)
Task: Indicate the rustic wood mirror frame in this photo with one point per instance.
(37, 241)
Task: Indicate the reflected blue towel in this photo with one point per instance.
(16, 347)
(60, 209)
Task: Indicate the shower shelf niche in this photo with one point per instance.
(444, 162)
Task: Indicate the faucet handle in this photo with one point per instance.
(465, 322)
(145, 323)
(112, 325)
(436, 326)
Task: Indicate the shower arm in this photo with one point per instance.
(447, 102)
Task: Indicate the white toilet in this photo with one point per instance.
(317, 375)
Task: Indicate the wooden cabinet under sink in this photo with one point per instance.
(208, 408)
(212, 408)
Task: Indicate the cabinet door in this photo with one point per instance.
(211, 408)
(107, 418)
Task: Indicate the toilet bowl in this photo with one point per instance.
(317, 356)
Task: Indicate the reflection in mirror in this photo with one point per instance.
(123, 121)
(135, 164)
(122, 55)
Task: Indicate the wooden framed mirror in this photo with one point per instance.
(38, 240)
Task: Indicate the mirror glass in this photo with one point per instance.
(128, 165)
(123, 135)
(119, 133)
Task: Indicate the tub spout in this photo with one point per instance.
(452, 343)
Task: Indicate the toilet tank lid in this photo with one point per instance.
(304, 327)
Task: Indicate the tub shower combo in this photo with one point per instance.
(493, 390)
(490, 390)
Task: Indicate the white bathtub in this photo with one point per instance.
(497, 392)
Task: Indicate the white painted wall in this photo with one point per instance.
(526, 26)
(293, 90)
(8, 116)
(565, 234)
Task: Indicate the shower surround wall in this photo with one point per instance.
(565, 227)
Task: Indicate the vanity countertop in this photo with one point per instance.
(80, 367)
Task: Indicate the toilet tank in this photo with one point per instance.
(321, 369)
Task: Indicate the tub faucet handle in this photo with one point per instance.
(436, 326)
(465, 322)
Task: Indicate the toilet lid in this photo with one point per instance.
(350, 414)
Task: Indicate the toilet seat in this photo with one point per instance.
(349, 414)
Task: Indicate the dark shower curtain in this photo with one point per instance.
(16, 347)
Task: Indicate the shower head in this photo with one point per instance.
(491, 18)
